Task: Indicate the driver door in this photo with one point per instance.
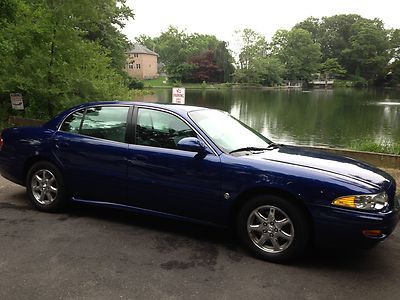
(165, 179)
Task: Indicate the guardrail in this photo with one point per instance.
(381, 160)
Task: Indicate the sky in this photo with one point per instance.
(222, 17)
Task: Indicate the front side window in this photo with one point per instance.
(160, 129)
(73, 122)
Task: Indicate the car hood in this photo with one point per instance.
(327, 162)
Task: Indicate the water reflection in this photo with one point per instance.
(319, 117)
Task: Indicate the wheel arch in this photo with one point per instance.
(253, 192)
(33, 160)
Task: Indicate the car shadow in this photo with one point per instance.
(328, 258)
(126, 217)
(338, 258)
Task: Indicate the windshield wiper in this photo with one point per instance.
(250, 149)
(273, 145)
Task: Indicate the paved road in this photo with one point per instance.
(92, 253)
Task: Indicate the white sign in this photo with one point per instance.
(16, 101)
(178, 95)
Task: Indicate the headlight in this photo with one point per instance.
(374, 202)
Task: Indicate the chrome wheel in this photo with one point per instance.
(270, 229)
(44, 187)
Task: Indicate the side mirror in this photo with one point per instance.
(191, 144)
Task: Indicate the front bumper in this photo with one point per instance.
(335, 226)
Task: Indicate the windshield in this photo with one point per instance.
(226, 132)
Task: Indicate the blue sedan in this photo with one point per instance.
(200, 165)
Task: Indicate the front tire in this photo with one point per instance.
(273, 228)
(45, 187)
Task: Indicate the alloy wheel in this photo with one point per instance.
(44, 186)
(270, 229)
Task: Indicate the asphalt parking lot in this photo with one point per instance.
(97, 253)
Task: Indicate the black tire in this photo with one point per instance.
(52, 200)
(277, 241)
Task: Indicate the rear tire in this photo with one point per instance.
(45, 187)
(273, 228)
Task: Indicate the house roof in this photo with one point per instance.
(140, 49)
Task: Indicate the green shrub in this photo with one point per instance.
(135, 84)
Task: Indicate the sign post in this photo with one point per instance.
(178, 95)
(16, 101)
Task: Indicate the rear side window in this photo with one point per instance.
(107, 123)
(73, 122)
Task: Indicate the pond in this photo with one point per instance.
(336, 117)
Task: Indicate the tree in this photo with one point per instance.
(104, 28)
(205, 67)
(392, 71)
(255, 65)
(313, 26)
(46, 55)
(179, 50)
(368, 51)
(297, 52)
(360, 45)
(394, 38)
(270, 70)
(335, 33)
(332, 69)
(224, 61)
(147, 41)
(253, 46)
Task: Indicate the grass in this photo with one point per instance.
(157, 82)
(133, 94)
(163, 82)
(372, 146)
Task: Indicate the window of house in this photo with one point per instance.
(73, 122)
(137, 66)
(130, 65)
(160, 129)
(135, 55)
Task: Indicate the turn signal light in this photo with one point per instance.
(348, 201)
(372, 233)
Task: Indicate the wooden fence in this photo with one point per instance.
(19, 121)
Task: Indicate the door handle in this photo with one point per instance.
(141, 157)
(138, 160)
(61, 144)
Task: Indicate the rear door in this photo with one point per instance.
(92, 149)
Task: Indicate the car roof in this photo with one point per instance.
(176, 108)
